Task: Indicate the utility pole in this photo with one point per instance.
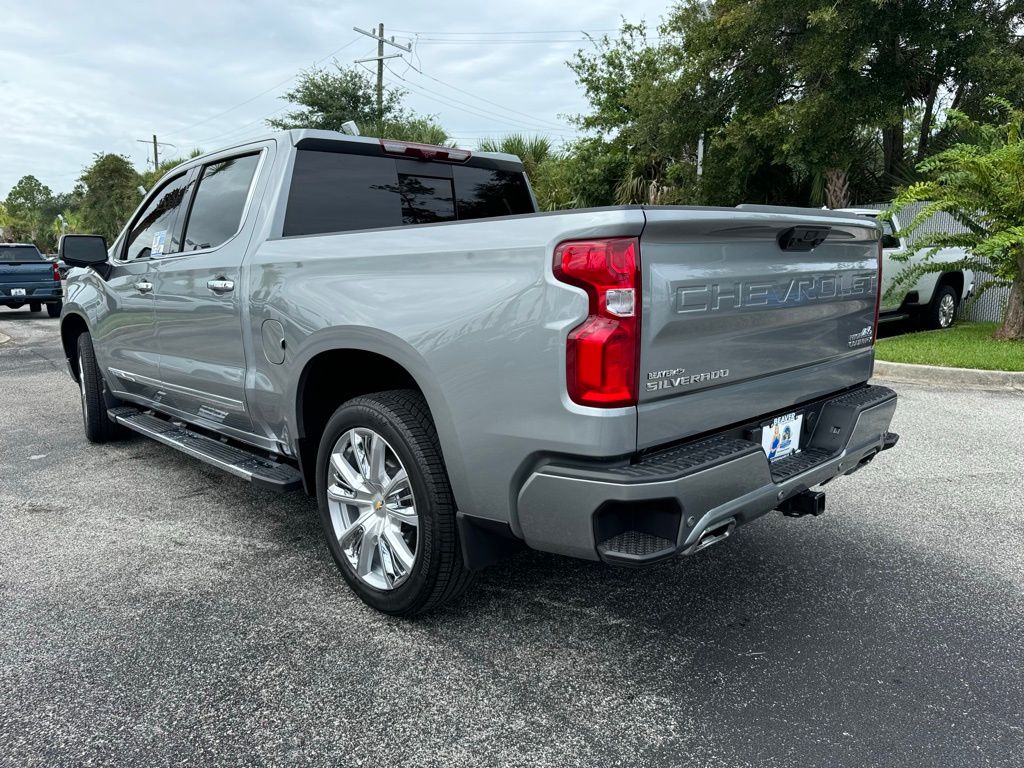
(379, 58)
(380, 72)
(156, 149)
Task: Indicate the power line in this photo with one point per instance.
(520, 32)
(445, 100)
(471, 109)
(487, 101)
(261, 93)
(423, 40)
(239, 129)
(544, 41)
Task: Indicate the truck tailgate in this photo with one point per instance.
(17, 273)
(741, 318)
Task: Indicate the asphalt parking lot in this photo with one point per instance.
(156, 612)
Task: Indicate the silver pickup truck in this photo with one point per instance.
(394, 328)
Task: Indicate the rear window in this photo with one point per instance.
(336, 192)
(482, 193)
(889, 239)
(11, 253)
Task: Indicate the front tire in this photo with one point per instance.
(941, 311)
(96, 400)
(53, 310)
(386, 505)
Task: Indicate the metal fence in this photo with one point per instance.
(991, 305)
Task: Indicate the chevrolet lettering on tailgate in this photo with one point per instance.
(713, 297)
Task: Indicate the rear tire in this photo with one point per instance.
(941, 311)
(53, 310)
(363, 518)
(95, 397)
(35, 307)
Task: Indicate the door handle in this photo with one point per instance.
(220, 285)
(144, 286)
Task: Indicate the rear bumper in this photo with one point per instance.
(35, 293)
(663, 504)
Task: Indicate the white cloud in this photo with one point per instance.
(77, 78)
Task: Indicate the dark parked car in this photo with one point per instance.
(26, 277)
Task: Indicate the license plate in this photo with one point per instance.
(782, 437)
(17, 291)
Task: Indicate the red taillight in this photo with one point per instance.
(878, 295)
(425, 151)
(56, 272)
(602, 353)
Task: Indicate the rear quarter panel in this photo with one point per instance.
(471, 310)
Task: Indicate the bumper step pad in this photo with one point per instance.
(795, 463)
(248, 465)
(635, 547)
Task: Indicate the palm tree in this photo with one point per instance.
(532, 150)
(978, 182)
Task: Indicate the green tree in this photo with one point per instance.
(27, 196)
(110, 194)
(5, 223)
(328, 98)
(980, 182)
(419, 129)
(26, 204)
(642, 117)
(532, 150)
(796, 101)
(67, 222)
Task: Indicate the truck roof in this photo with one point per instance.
(859, 211)
(307, 136)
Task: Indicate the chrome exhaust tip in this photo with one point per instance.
(715, 533)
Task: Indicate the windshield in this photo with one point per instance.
(12, 253)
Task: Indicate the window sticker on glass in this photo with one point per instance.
(156, 248)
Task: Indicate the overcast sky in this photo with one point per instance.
(79, 78)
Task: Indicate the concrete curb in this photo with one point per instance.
(955, 378)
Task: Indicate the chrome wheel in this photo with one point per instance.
(947, 308)
(373, 512)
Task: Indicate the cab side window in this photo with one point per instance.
(219, 202)
(889, 240)
(152, 232)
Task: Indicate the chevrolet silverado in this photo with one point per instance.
(395, 328)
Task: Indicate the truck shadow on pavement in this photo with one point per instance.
(825, 624)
